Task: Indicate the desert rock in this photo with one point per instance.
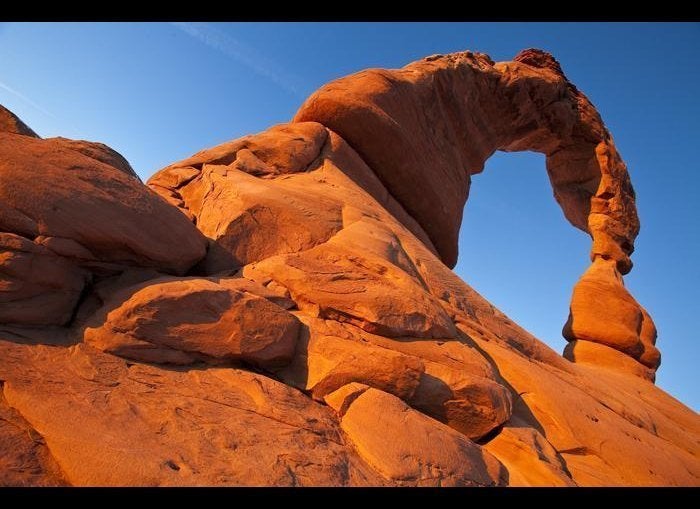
(604, 312)
(279, 310)
(26, 461)
(99, 152)
(409, 448)
(432, 113)
(529, 458)
(87, 215)
(334, 282)
(109, 423)
(172, 320)
(326, 363)
(11, 123)
(37, 286)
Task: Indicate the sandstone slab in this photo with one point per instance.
(411, 449)
(325, 363)
(529, 458)
(110, 423)
(11, 123)
(174, 320)
(26, 461)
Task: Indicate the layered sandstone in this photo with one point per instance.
(279, 309)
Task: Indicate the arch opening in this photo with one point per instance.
(517, 249)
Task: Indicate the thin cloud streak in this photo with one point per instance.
(19, 95)
(26, 99)
(246, 55)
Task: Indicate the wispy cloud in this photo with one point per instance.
(26, 99)
(66, 126)
(241, 52)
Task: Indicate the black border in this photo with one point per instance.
(482, 10)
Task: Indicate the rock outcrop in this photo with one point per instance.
(279, 309)
(603, 312)
(178, 321)
(11, 123)
(73, 211)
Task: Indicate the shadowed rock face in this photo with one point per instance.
(277, 310)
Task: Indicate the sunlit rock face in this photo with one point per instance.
(279, 310)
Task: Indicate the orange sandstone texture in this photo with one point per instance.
(279, 310)
(73, 212)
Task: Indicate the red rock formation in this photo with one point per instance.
(11, 123)
(293, 323)
(449, 113)
(604, 312)
(87, 216)
(180, 320)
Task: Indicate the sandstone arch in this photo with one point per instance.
(272, 310)
(432, 124)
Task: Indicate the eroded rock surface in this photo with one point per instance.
(277, 310)
(67, 217)
(180, 321)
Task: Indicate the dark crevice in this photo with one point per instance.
(84, 293)
(172, 465)
(485, 439)
(578, 451)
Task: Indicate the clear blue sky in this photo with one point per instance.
(160, 92)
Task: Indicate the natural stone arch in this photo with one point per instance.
(426, 128)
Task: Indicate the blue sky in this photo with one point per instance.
(160, 92)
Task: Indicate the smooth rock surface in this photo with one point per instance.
(326, 363)
(172, 320)
(36, 286)
(26, 461)
(529, 458)
(108, 216)
(336, 282)
(411, 449)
